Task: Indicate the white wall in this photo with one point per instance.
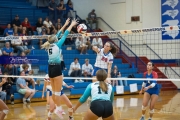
(118, 17)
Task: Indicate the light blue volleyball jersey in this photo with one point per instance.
(96, 93)
(55, 49)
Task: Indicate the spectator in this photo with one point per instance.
(39, 26)
(27, 25)
(115, 74)
(18, 44)
(1, 69)
(8, 31)
(80, 45)
(2, 93)
(61, 9)
(69, 9)
(16, 24)
(52, 10)
(1, 53)
(7, 50)
(7, 87)
(22, 88)
(42, 41)
(11, 69)
(97, 41)
(29, 81)
(75, 70)
(58, 23)
(87, 41)
(92, 19)
(48, 25)
(87, 69)
(25, 42)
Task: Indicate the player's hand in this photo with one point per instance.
(74, 22)
(67, 22)
(70, 86)
(140, 92)
(146, 88)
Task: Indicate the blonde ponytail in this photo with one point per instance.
(46, 45)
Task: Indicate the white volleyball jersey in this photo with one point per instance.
(97, 93)
(54, 54)
(102, 59)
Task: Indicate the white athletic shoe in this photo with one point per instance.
(81, 80)
(76, 81)
(58, 112)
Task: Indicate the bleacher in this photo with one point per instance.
(8, 9)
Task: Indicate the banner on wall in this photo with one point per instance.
(170, 16)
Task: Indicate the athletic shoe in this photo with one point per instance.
(63, 113)
(142, 118)
(149, 118)
(12, 99)
(76, 81)
(71, 118)
(58, 113)
(81, 80)
(24, 101)
(28, 101)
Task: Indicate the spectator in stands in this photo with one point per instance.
(8, 31)
(16, 24)
(1, 69)
(58, 23)
(39, 26)
(87, 41)
(18, 44)
(115, 74)
(48, 25)
(8, 50)
(29, 81)
(27, 25)
(87, 69)
(92, 19)
(2, 93)
(1, 53)
(25, 42)
(81, 45)
(52, 10)
(22, 88)
(7, 87)
(61, 9)
(69, 9)
(97, 41)
(11, 69)
(75, 70)
(42, 41)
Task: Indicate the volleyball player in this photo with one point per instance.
(102, 95)
(53, 47)
(151, 89)
(104, 58)
(63, 98)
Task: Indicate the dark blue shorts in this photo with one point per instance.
(50, 92)
(96, 69)
(153, 91)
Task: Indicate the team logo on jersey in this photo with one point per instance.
(104, 59)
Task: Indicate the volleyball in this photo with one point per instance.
(82, 28)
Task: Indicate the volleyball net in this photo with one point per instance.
(160, 45)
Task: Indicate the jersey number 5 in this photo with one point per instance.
(99, 90)
(50, 51)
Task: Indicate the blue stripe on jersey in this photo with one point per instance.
(61, 41)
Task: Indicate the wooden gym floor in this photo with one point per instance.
(126, 107)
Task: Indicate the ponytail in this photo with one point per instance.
(103, 86)
(113, 50)
(101, 76)
(46, 45)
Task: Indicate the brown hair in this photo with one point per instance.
(51, 39)
(101, 75)
(25, 65)
(113, 50)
